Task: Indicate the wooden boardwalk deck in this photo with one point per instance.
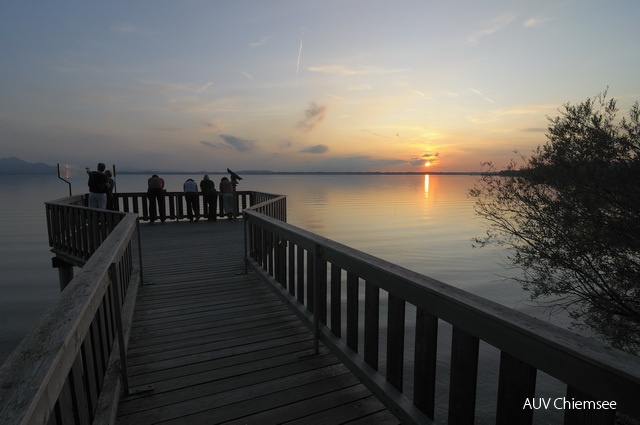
(219, 347)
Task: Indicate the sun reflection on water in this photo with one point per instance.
(426, 185)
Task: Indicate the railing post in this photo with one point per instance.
(65, 272)
(113, 274)
(245, 219)
(317, 254)
(139, 249)
(516, 385)
(463, 377)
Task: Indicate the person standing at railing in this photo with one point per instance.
(191, 195)
(98, 187)
(155, 194)
(209, 197)
(226, 188)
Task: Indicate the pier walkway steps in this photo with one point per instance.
(217, 346)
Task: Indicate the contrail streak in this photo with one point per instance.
(299, 54)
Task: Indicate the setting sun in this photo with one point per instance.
(427, 164)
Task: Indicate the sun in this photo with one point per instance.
(427, 164)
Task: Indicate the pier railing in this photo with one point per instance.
(359, 307)
(175, 204)
(71, 367)
(75, 231)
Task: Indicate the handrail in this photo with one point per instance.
(76, 232)
(66, 369)
(175, 204)
(301, 266)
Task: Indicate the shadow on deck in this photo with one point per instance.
(218, 346)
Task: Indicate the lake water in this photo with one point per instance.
(423, 223)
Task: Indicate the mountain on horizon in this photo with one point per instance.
(15, 165)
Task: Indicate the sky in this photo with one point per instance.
(298, 85)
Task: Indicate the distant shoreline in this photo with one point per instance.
(249, 172)
(17, 166)
(269, 173)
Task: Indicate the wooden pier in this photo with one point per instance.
(218, 346)
(259, 321)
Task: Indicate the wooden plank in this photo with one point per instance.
(320, 402)
(192, 400)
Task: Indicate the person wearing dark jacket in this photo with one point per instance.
(98, 187)
(226, 189)
(155, 193)
(210, 198)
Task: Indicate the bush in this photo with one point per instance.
(570, 216)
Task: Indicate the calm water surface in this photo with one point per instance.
(423, 223)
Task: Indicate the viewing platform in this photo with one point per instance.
(259, 321)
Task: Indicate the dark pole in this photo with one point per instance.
(115, 188)
(234, 183)
(66, 181)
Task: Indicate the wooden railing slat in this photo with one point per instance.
(424, 363)
(371, 324)
(584, 416)
(395, 341)
(463, 377)
(516, 385)
(300, 263)
(352, 311)
(336, 300)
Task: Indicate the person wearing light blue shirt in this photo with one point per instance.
(191, 196)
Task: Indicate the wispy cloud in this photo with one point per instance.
(203, 88)
(361, 87)
(431, 157)
(536, 21)
(344, 70)
(239, 144)
(246, 74)
(374, 133)
(479, 93)
(535, 130)
(358, 163)
(498, 24)
(299, 56)
(130, 29)
(412, 89)
(313, 116)
(211, 144)
(231, 142)
(260, 42)
(315, 149)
